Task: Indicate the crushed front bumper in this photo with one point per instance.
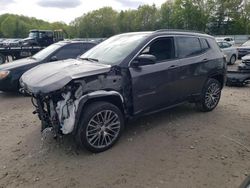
(43, 110)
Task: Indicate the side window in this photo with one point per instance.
(204, 44)
(69, 51)
(162, 49)
(188, 46)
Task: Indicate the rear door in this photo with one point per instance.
(191, 52)
(155, 85)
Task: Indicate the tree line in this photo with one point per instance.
(15, 26)
(216, 17)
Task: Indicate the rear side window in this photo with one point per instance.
(188, 46)
(204, 44)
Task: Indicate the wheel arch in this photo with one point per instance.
(112, 97)
(220, 78)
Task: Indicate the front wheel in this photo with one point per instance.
(210, 96)
(101, 126)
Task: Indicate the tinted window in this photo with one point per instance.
(88, 46)
(47, 51)
(204, 44)
(69, 51)
(188, 46)
(162, 49)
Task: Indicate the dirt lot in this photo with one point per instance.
(176, 148)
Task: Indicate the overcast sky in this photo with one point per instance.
(66, 10)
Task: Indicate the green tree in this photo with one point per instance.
(146, 18)
(126, 21)
(99, 23)
(166, 15)
(14, 26)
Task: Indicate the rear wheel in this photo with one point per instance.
(210, 96)
(101, 126)
(232, 60)
(2, 59)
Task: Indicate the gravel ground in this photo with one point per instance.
(175, 148)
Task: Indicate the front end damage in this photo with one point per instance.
(60, 89)
(60, 110)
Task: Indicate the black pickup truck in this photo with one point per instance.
(36, 41)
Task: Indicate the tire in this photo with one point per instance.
(210, 96)
(2, 59)
(93, 133)
(232, 60)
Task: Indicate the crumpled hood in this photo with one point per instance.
(53, 76)
(17, 63)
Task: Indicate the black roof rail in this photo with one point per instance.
(179, 30)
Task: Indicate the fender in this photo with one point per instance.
(92, 95)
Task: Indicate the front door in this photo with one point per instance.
(154, 85)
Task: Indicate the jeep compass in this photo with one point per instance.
(126, 76)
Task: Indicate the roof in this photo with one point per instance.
(75, 41)
(37, 30)
(171, 32)
(182, 32)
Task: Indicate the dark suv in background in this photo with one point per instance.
(127, 75)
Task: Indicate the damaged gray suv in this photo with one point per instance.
(126, 76)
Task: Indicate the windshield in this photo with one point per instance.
(46, 52)
(115, 49)
(247, 43)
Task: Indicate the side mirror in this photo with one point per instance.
(144, 59)
(53, 58)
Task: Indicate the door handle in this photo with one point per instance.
(172, 66)
(205, 60)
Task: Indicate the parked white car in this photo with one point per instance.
(230, 52)
(225, 39)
